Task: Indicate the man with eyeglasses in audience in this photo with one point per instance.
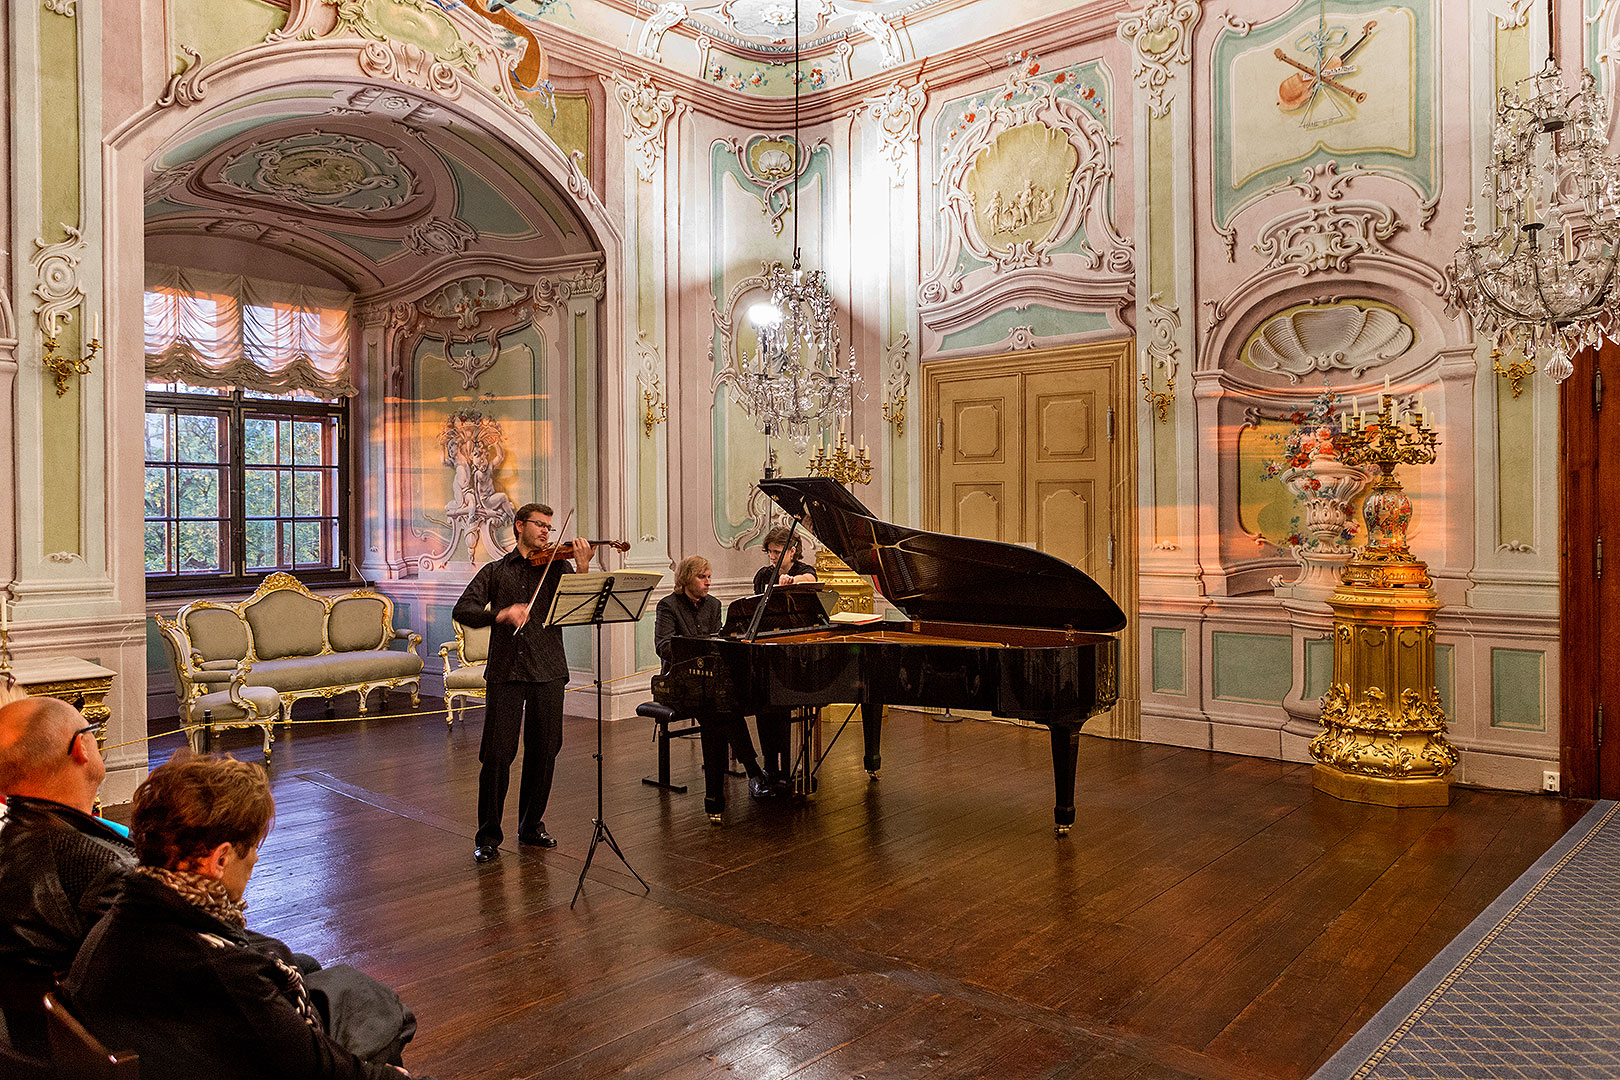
(61, 867)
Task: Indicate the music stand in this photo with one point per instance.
(595, 600)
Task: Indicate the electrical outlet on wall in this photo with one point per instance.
(1549, 781)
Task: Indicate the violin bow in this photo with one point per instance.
(556, 545)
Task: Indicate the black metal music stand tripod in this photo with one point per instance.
(597, 600)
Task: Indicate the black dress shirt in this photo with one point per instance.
(678, 616)
(535, 655)
(762, 576)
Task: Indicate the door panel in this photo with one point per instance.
(980, 457)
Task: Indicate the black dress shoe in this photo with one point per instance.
(539, 838)
(483, 854)
(760, 787)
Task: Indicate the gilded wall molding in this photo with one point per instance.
(1160, 36)
(647, 110)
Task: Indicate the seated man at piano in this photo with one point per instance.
(783, 562)
(690, 611)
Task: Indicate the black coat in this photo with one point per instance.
(188, 993)
(535, 655)
(59, 872)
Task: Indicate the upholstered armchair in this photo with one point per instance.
(464, 677)
(215, 696)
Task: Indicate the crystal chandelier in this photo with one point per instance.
(794, 386)
(1539, 277)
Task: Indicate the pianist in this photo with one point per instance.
(690, 611)
(789, 569)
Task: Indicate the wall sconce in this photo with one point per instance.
(657, 410)
(61, 366)
(894, 412)
(1159, 400)
(1515, 373)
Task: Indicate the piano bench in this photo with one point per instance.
(664, 720)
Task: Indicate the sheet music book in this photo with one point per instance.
(606, 596)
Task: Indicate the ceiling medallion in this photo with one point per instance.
(324, 169)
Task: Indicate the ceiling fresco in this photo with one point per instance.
(375, 192)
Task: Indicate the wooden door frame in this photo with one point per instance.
(1589, 605)
(1125, 718)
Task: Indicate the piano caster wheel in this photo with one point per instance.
(716, 819)
(1061, 830)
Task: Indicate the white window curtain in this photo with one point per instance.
(210, 329)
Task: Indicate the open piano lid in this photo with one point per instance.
(938, 577)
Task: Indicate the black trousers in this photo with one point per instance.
(533, 709)
(723, 736)
(775, 753)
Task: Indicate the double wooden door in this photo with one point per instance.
(1033, 448)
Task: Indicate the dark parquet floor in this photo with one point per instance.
(1210, 916)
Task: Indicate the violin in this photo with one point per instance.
(1297, 90)
(561, 552)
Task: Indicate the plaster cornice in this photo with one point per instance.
(1091, 22)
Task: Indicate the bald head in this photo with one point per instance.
(39, 755)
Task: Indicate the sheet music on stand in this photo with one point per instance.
(606, 596)
(596, 599)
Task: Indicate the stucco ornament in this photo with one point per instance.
(883, 32)
(410, 41)
(768, 163)
(551, 293)
(440, 236)
(1322, 238)
(186, 86)
(1163, 347)
(465, 300)
(646, 112)
(61, 7)
(334, 171)
(1341, 337)
(1026, 175)
(897, 382)
(897, 115)
(658, 23)
(1161, 38)
(56, 270)
(1326, 181)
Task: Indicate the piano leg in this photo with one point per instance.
(1065, 752)
(872, 732)
(715, 734)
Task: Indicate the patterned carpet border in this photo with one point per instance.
(1531, 989)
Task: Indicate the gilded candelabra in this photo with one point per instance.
(1514, 373)
(61, 366)
(1383, 738)
(1159, 400)
(845, 464)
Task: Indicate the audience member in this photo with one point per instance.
(61, 867)
(169, 972)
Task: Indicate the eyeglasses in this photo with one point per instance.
(532, 521)
(88, 729)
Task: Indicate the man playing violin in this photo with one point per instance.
(525, 675)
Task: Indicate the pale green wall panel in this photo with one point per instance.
(1445, 667)
(1251, 667)
(217, 28)
(1516, 494)
(1318, 667)
(1518, 687)
(59, 198)
(1169, 660)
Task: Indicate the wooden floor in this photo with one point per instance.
(1210, 916)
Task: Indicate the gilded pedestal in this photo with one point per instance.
(1384, 732)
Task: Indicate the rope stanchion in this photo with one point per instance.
(436, 713)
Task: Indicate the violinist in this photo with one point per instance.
(525, 675)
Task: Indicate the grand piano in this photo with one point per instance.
(992, 626)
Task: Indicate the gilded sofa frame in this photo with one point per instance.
(280, 581)
(191, 683)
(459, 648)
